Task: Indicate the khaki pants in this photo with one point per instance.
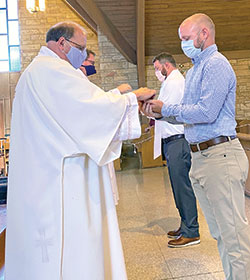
(218, 177)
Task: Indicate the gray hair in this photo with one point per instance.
(64, 29)
(165, 57)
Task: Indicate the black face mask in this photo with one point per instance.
(90, 69)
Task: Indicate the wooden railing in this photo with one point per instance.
(2, 237)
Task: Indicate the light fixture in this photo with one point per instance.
(34, 6)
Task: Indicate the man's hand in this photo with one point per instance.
(156, 105)
(146, 109)
(144, 94)
(124, 88)
(83, 70)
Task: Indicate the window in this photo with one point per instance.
(9, 36)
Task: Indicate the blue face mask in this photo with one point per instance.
(76, 57)
(189, 49)
(90, 69)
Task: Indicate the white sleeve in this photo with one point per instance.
(130, 127)
(115, 91)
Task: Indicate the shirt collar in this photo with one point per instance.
(170, 75)
(204, 54)
(45, 51)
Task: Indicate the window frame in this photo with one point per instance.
(8, 40)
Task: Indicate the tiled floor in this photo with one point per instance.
(146, 211)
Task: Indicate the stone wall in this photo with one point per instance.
(33, 27)
(242, 70)
(114, 68)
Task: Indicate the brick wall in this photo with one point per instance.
(242, 70)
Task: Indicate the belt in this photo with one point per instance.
(212, 142)
(172, 138)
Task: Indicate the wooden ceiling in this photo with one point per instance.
(231, 18)
(140, 28)
(162, 19)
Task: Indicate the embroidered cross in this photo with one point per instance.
(44, 243)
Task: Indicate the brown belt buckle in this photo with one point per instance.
(198, 147)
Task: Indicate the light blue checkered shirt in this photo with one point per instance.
(208, 105)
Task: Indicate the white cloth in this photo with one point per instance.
(113, 182)
(111, 168)
(61, 217)
(171, 92)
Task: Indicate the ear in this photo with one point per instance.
(166, 64)
(61, 42)
(179, 32)
(205, 32)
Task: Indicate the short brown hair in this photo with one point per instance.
(164, 57)
(90, 52)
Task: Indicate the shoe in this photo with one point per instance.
(183, 242)
(174, 233)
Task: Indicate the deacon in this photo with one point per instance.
(62, 221)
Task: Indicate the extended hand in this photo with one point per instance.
(144, 94)
(147, 110)
(123, 88)
(156, 105)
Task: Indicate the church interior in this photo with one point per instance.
(126, 35)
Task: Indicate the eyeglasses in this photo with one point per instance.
(81, 48)
(91, 61)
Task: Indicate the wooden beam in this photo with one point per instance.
(79, 10)
(181, 58)
(236, 54)
(140, 41)
(108, 28)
